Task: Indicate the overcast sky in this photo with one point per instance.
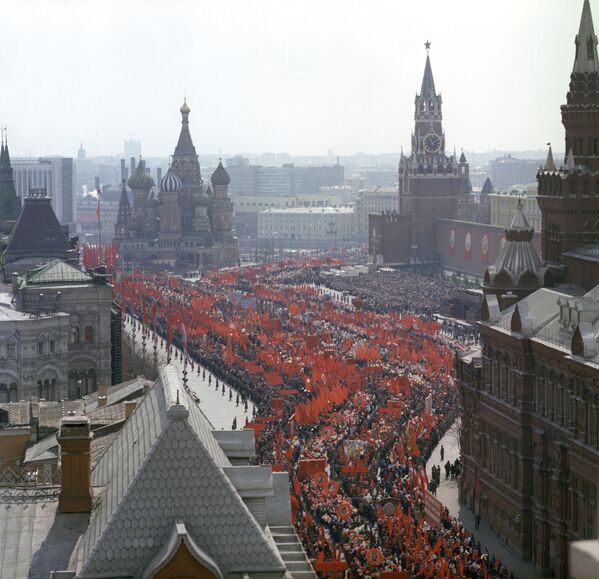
(301, 76)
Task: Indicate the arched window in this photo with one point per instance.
(89, 334)
(3, 393)
(13, 393)
(75, 335)
(40, 346)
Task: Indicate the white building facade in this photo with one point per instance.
(503, 206)
(34, 354)
(307, 224)
(376, 202)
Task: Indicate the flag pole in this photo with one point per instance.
(99, 226)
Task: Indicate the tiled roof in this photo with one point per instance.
(57, 271)
(165, 464)
(43, 450)
(119, 392)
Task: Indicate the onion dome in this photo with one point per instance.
(220, 177)
(142, 180)
(170, 183)
(184, 107)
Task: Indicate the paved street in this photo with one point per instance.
(216, 406)
(447, 493)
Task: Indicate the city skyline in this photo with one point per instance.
(349, 87)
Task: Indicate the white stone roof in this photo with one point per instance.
(166, 465)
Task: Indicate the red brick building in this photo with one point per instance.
(530, 394)
(432, 186)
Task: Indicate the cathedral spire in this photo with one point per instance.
(586, 43)
(124, 213)
(185, 144)
(9, 201)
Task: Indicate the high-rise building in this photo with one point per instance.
(55, 175)
(285, 180)
(132, 148)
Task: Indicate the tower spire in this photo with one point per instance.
(550, 163)
(428, 82)
(586, 43)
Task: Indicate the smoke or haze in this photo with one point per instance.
(280, 75)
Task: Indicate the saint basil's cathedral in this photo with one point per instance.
(182, 224)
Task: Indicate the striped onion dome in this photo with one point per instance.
(142, 180)
(170, 183)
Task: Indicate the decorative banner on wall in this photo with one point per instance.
(452, 242)
(468, 246)
(484, 249)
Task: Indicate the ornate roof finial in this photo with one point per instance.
(427, 45)
(185, 107)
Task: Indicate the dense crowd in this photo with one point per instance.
(363, 395)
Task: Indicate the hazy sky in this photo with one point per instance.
(300, 76)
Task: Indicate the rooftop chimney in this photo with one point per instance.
(132, 164)
(101, 401)
(102, 389)
(123, 170)
(74, 438)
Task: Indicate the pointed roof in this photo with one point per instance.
(463, 159)
(166, 464)
(428, 82)
(487, 187)
(519, 222)
(124, 207)
(518, 255)
(37, 232)
(185, 144)
(550, 163)
(570, 163)
(586, 60)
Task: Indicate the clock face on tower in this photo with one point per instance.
(432, 143)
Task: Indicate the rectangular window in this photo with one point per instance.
(40, 348)
(52, 346)
(11, 350)
(89, 334)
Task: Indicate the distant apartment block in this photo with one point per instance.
(55, 175)
(285, 180)
(508, 171)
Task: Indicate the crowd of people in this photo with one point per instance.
(351, 402)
